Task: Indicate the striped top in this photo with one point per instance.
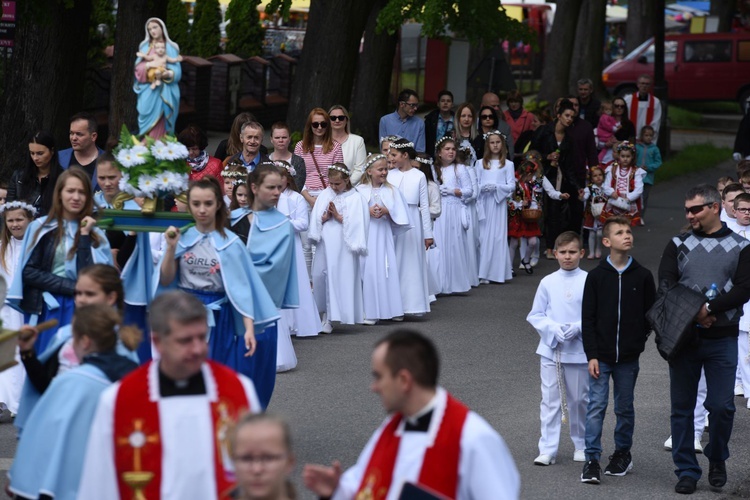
(313, 180)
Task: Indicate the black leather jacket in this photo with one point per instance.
(38, 277)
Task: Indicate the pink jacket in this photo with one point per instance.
(517, 127)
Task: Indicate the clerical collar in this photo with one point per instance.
(420, 421)
(642, 97)
(192, 386)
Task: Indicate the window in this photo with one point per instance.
(670, 52)
(743, 51)
(708, 51)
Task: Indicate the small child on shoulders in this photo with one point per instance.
(607, 127)
(556, 316)
(617, 294)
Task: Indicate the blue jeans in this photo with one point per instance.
(623, 376)
(718, 357)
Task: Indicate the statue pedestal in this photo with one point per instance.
(137, 221)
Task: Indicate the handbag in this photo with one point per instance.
(596, 209)
(621, 203)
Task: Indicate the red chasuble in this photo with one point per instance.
(138, 449)
(649, 109)
(440, 465)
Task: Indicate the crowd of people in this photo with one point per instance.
(293, 243)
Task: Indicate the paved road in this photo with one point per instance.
(489, 363)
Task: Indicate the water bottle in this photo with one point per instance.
(712, 292)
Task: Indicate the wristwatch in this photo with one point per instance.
(708, 308)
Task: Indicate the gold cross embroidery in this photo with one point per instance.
(137, 440)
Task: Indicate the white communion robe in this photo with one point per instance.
(473, 230)
(496, 185)
(187, 437)
(451, 231)
(557, 304)
(336, 271)
(380, 279)
(12, 379)
(486, 467)
(305, 320)
(410, 250)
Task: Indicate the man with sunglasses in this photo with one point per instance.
(403, 122)
(707, 255)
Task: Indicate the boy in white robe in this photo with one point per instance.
(556, 315)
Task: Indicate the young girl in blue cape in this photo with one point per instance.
(213, 264)
(270, 240)
(49, 458)
(54, 249)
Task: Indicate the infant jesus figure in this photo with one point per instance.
(157, 64)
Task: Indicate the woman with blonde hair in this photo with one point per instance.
(352, 145)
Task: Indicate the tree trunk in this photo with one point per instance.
(372, 86)
(640, 23)
(328, 62)
(560, 42)
(588, 59)
(46, 76)
(130, 32)
(723, 9)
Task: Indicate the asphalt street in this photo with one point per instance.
(488, 361)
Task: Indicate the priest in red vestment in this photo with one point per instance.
(163, 431)
(430, 441)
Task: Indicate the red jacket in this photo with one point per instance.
(517, 127)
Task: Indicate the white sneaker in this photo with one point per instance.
(668, 444)
(534, 262)
(697, 445)
(484, 282)
(579, 456)
(398, 318)
(520, 266)
(327, 327)
(370, 322)
(739, 390)
(544, 459)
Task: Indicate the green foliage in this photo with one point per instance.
(244, 32)
(694, 158)
(683, 118)
(178, 25)
(477, 20)
(280, 6)
(206, 33)
(101, 14)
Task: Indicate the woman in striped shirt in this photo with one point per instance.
(319, 151)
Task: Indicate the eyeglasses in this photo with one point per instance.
(743, 210)
(338, 118)
(263, 460)
(486, 117)
(696, 209)
(319, 124)
(412, 105)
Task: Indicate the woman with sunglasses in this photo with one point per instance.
(488, 121)
(624, 131)
(319, 151)
(352, 145)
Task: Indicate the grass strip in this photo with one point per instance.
(694, 158)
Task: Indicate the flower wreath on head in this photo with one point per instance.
(626, 145)
(534, 156)
(494, 132)
(343, 170)
(376, 158)
(15, 205)
(443, 139)
(286, 166)
(425, 161)
(232, 174)
(402, 146)
(239, 182)
(389, 138)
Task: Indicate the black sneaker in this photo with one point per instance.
(717, 474)
(592, 472)
(619, 464)
(686, 485)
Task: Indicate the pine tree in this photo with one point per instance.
(244, 32)
(205, 33)
(178, 26)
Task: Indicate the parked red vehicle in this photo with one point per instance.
(698, 67)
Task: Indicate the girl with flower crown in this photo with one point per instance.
(434, 277)
(305, 320)
(465, 157)
(496, 183)
(339, 224)
(54, 248)
(389, 215)
(451, 228)
(17, 216)
(623, 186)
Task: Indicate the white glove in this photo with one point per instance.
(444, 190)
(570, 332)
(560, 334)
(488, 188)
(736, 156)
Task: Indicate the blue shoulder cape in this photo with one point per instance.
(50, 455)
(242, 285)
(101, 255)
(271, 245)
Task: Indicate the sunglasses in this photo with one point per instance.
(319, 124)
(486, 117)
(618, 105)
(338, 118)
(696, 209)
(412, 105)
